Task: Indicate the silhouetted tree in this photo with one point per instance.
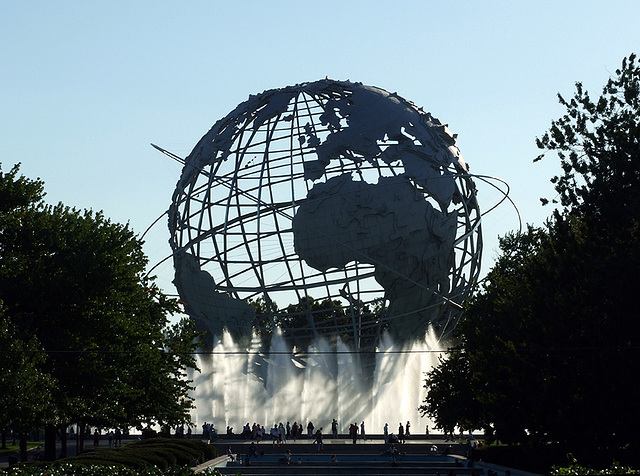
(74, 285)
(548, 345)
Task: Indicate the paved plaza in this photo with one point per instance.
(419, 455)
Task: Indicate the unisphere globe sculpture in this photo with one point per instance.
(326, 209)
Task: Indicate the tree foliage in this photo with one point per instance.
(309, 318)
(597, 142)
(24, 403)
(547, 348)
(74, 287)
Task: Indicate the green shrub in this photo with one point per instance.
(148, 433)
(578, 469)
(184, 451)
(118, 456)
(63, 469)
(169, 457)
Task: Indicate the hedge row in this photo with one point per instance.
(160, 452)
(167, 456)
(67, 469)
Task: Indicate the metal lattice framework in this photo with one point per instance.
(332, 208)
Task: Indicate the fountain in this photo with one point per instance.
(239, 385)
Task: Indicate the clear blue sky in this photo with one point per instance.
(85, 86)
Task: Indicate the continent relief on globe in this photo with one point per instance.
(213, 311)
(389, 225)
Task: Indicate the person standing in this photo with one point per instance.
(401, 433)
(386, 433)
(362, 433)
(353, 431)
(253, 451)
(318, 440)
(406, 429)
(334, 429)
(393, 451)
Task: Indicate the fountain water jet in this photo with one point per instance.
(244, 385)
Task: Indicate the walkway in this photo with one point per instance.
(418, 456)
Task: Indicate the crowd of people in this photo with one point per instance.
(281, 432)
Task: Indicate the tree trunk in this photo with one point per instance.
(79, 438)
(23, 448)
(63, 441)
(4, 439)
(50, 443)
